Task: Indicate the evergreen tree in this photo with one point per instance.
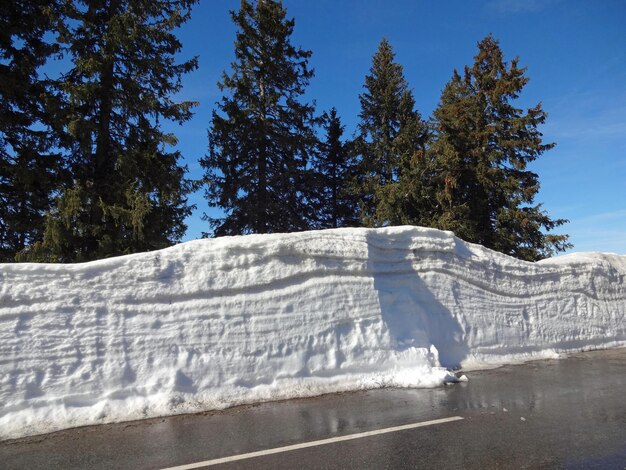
(485, 192)
(391, 133)
(262, 136)
(334, 170)
(129, 191)
(30, 168)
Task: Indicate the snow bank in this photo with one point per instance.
(214, 323)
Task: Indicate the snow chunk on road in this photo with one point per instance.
(214, 323)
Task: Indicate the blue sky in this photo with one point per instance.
(575, 52)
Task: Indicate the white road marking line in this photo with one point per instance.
(321, 442)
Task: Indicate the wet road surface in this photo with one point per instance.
(568, 413)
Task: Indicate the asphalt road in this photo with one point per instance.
(569, 413)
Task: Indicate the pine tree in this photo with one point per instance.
(261, 137)
(334, 170)
(391, 133)
(485, 192)
(30, 166)
(129, 191)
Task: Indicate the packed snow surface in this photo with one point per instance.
(213, 323)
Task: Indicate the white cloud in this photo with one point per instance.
(518, 6)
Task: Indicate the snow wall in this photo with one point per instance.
(213, 323)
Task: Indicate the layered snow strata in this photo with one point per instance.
(213, 323)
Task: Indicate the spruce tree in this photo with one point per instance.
(261, 137)
(390, 134)
(31, 169)
(483, 145)
(334, 171)
(129, 190)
